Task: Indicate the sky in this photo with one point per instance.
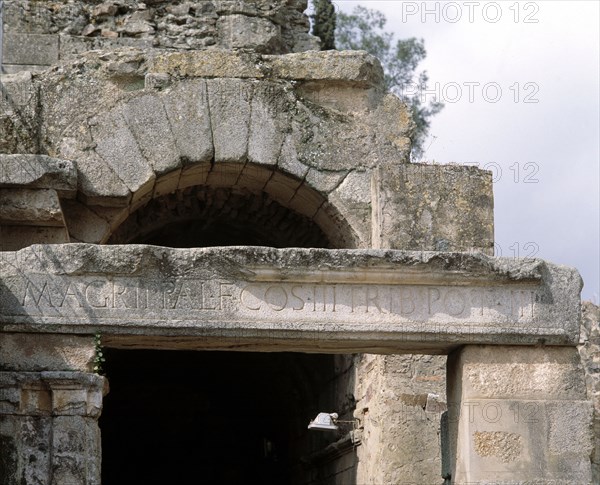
(520, 83)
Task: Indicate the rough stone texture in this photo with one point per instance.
(100, 107)
(63, 30)
(357, 68)
(13, 238)
(189, 118)
(30, 208)
(114, 141)
(43, 352)
(84, 224)
(384, 300)
(229, 103)
(19, 114)
(518, 414)
(395, 396)
(589, 349)
(34, 49)
(505, 446)
(43, 411)
(416, 210)
(147, 119)
(38, 172)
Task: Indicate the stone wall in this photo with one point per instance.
(589, 349)
(313, 134)
(400, 399)
(39, 33)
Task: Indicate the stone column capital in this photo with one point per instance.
(52, 393)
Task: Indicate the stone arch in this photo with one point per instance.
(246, 204)
(223, 133)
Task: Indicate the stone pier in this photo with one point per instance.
(48, 427)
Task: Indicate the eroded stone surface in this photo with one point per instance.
(589, 350)
(518, 426)
(38, 172)
(30, 208)
(48, 426)
(395, 407)
(389, 299)
(35, 352)
(506, 446)
(271, 27)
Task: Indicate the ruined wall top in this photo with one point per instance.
(40, 33)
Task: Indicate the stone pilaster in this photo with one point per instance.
(49, 433)
(518, 415)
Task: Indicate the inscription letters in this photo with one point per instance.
(399, 302)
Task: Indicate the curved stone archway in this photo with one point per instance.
(186, 129)
(250, 204)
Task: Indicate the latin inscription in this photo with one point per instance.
(54, 296)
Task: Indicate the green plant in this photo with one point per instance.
(98, 354)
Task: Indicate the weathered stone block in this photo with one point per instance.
(241, 31)
(83, 224)
(288, 158)
(400, 442)
(30, 208)
(387, 300)
(114, 141)
(97, 182)
(22, 68)
(73, 47)
(18, 91)
(13, 238)
(352, 197)
(356, 67)
(433, 207)
(38, 352)
(213, 63)
(230, 101)
(38, 172)
(270, 121)
(147, 119)
(189, 116)
(518, 414)
(324, 181)
(25, 449)
(30, 49)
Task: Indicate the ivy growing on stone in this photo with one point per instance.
(98, 354)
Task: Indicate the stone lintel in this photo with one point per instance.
(357, 68)
(314, 299)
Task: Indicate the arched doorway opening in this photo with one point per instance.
(204, 216)
(231, 204)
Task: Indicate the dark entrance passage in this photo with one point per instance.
(185, 417)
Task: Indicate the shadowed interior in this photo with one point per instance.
(190, 417)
